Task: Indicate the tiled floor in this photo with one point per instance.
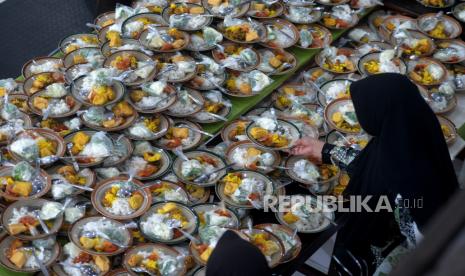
(32, 28)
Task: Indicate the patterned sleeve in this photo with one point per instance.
(339, 156)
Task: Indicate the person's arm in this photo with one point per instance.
(321, 152)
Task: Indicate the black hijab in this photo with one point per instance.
(408, 154)
(234, 256)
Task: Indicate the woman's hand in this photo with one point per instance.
(309, 147)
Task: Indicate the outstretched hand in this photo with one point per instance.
(308, 147)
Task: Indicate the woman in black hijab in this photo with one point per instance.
(407, 157)
(234, 256)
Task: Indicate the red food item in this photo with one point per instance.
(28, 221)
(223, 213)
(109, 247)
(176, 233)
(83, 257)
(254, 196)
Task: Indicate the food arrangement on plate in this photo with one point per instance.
(309, 216)
(124, 117)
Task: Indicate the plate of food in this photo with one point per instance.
(148, 127)
(122, 149)
(244, 189)
(133, 67)
(199, 168)
(154, 259)
(164, 39)
(262, 10)
(441, 99)
(100, 236)
(280, 34)
(290, 92)
(11, 119)
(337, 60)
(126, 44)
(121, 198)
(21, 219)
(340, 115)
(20, 101)
(448, 129)
(88, 148)
(205, 39)
(176, 68)
(372, 47)
(31, 144)
(223, 8)
(357, 141)
(216, 214)
(63, 175)
(450, 51)
(215, 109)
(272, 133)
(164, 190)
(437, 4)
(120, 116)
(210, 75)
(41, 81)
(105, 19)
(210, 231)
(391, 23)
(248, 156)
(319, 179)
(152, 97)
(22, 181)
(269, 244)
(439, 26)
(415, 43)
(54, 102)
(458, 12)
(242, 30)
(89, 55)
(317, 76)
(235, 131)
(41, 65)
(78, 70)
(20, 256)
(62, 126)
(147, 162)
(302, 14)
(245, 84)
(309, 216)
(290, 241)
(427, 71)
(134, 25)
(237, 57)
(181, 133)
(333, 90)
(313, 36)
(189, 103)
(383, 62)
(97, 89)
(363, 34)
(72, 257)
(340, 17)
(112, 34)
(306, 116)
(276, 61)
(76, 41)
(187, 16)
(163, 221)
